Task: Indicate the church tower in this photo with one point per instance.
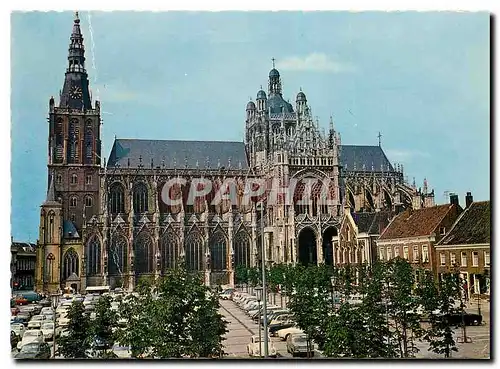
(74, 141)
(74, 159)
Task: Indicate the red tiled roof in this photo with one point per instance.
(416, 223)
(472, 227)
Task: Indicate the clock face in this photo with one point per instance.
(76, 92)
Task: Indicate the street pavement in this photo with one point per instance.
(241, 328)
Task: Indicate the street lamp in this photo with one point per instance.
(258, 292)
(332, 281)
(264, 287)
(55, 302)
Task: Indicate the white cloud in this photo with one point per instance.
(397, 155)
(317, 62)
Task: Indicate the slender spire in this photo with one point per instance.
(379, 137)
(51, 193)
(273, 62)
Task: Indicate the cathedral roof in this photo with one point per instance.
(177, 153)
(472, 227)
(276, 101)
(352, 156)
(371, 223)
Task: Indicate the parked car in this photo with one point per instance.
(45, 302)
(284, 333)
(23, 319)
(253, 348)
(296, 344)
(20, 300)
(14, 340)
(46, 310)
(33, 335)
(468, 319)
(48, 330)
(278, 324)
(34, 350)
(226, 295)
(18, 328)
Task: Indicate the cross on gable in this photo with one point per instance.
(273, 61)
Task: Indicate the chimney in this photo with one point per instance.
(454, 199)
(468, 199)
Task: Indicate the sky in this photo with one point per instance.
(420, 79)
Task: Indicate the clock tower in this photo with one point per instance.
(74, 144)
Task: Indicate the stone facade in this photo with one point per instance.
(108, 223)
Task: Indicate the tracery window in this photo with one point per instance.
(59, 141)
(93, 256)
(140, 198)
(169, 250)
(144, 254)
(71, 263)
(194, 252)
(50, 228)
(73, 136)
(117, 254)
(49, 268)
(72, 201)
(88, 141)
(116, 199)
(218, 252)
(242, 249)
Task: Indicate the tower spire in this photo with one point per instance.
(75, 93)
(273, 62)
(379, 137)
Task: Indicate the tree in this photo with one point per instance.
(177, 316)
(102, 328)
(403, 305)
(77, 343)
(438, 303)
(241, 275)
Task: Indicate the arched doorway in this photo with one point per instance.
(327, 244)
(307, 247)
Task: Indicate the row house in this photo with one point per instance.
(466, 248)
(355, 243)
(413, 234)
(22, 265)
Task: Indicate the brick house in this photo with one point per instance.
(467, 247)
(355, 243)
(22, 265)
(413, 233)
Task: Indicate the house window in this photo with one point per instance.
(405, 252)
(475, 259)
(396, 252)
(486, 258)
(381, 253)
(72, 202)
(442, 231)
(74, 179)
(88, 180)
(453, 258)
(88, 201)
(389, 253)
(425, 254)
(415, 253)
(464, 259)
(59, 179)
(443, 258)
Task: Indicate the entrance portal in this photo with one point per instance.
(307, 247)
(327, 244)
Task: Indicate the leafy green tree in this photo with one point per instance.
(103, 327)
(77, 343)
(403, 305)
(241, 275)
(438, 303)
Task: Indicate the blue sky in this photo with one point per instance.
(421, 79)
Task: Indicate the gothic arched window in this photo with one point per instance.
(72, 202)
(88, 144)
(49, 268)
(88, 201)
(93, 256)
(143, 254)
(218, 252)
(59, 141)
(50, 227)
(70, 265)
(194, 252)
(117, 254)
(169, 250)
(242, 249)
(140, 198)
(73, 133)
(116, 199)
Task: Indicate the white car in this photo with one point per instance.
(48, 330)
(284, 333)
(36, 321)
(61, 309)
(47, 311)
(63, 322)
(34, 335)
(253, 348)
(18, 329)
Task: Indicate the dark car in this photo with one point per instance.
(34, 351)
(14, 339)
(20, 319)
(468, 319)
(273, 328)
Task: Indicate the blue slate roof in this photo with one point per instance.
(69, 227)
(177, 153)
(276, 101)
(355, 156)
